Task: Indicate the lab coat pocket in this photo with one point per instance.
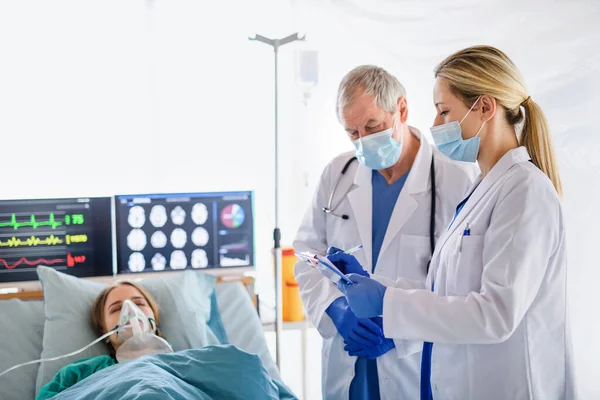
(413, 255)
(467, 271)
(339, 229)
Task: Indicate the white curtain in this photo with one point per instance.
(556, 46)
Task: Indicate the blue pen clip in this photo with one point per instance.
(466, 232)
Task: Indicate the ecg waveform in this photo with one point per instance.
(31, 241)
(75, 219)
(48, 241)
(71, 261)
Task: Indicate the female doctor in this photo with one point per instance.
(493, 312)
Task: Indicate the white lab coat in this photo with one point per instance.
(497, 318)
(404, 253)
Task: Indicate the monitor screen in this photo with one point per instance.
(71, 235)
(163, 232)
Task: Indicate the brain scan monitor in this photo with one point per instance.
(176, 231)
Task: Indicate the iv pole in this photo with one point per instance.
(276, 43)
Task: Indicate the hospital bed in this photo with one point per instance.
(22, 329)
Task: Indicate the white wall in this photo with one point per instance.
(102, 98)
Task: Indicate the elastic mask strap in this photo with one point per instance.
(482, 125)
(152, 324)
(114, 330)
(395, 125)
(461, 121)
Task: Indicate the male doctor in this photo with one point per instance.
(383, 200)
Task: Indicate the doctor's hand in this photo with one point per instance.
(371, 352)
(358, 332)
(364, 295)
(346, 263)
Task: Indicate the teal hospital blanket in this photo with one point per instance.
(212, 372)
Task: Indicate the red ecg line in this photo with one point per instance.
(71, 261)
(32, 263)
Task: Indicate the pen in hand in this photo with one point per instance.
(353, 249)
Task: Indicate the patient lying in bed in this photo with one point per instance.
(222, 371)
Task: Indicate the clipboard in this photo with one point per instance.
(324, 266)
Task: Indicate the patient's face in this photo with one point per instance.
(112, 309)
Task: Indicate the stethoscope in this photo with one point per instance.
(330, 208)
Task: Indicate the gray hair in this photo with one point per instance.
(373, 81)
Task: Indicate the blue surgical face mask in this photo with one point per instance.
(449, 141)
(379, 150)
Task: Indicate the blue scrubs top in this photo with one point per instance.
(365, 384)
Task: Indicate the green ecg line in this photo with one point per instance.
(32, 223)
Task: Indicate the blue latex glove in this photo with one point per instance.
(344, 264)
(364, 295)
(372, 352)
(355, 331)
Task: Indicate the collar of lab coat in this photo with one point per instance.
(361, 198)
(513, 157)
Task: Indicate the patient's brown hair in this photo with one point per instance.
(97, 316)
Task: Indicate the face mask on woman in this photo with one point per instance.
(138, 333)
(449, 141)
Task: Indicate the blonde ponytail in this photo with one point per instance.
(479, 70)
(535, 136)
